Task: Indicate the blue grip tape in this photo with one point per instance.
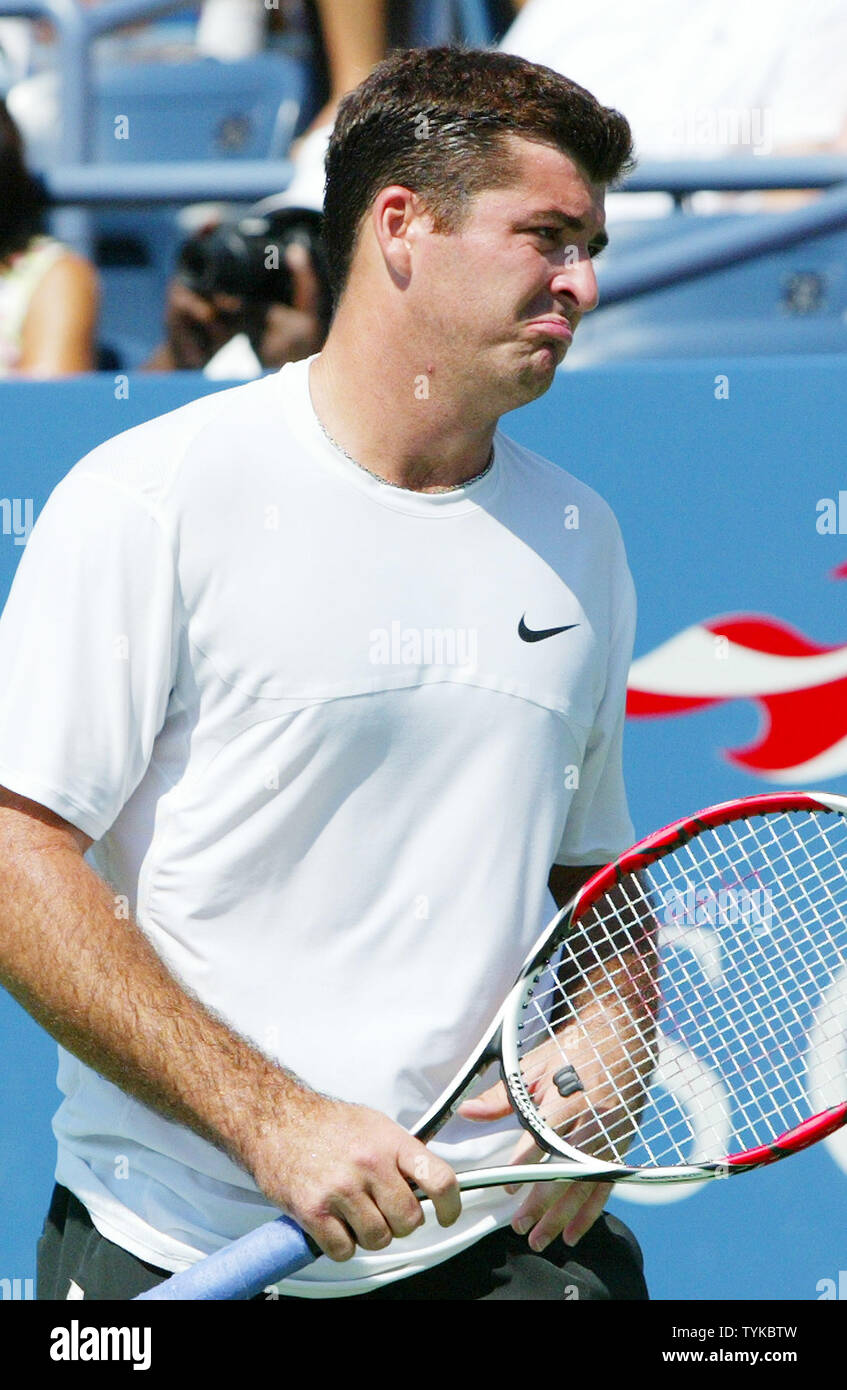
(244, 1268)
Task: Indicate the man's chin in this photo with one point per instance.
(538, 370)
(517, 379)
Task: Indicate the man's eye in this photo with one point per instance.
(555, 234)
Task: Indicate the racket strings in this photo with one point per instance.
(749, 1019)
(770, 1008)
(789, 972)
(704, 973)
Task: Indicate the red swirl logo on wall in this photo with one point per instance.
(799, 687)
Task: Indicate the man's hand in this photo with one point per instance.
(287, 333)
(610, 1045)
(549, 1209)
(198, 327)
(343, 1172)
(195, 329)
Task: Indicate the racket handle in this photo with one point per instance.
(241, 1270)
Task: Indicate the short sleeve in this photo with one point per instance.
(598, 826)
(88, 643)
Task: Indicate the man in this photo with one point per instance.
(277, 661)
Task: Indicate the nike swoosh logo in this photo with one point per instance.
(527, 635)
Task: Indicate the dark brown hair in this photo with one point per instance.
(434, 120)
(22, 198)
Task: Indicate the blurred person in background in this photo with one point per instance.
(348, 39)
(352, 35)
(48, 294)
(701, 78)
(208, 327)
(248, 295)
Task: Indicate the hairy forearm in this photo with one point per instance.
(92, 980)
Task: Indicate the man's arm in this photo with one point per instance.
(93, 981)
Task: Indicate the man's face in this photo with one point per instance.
(503, 295)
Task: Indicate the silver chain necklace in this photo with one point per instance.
(453, 487)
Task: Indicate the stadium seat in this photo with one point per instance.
(168, 111)
(205, 109)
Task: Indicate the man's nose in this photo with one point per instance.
(578, 282)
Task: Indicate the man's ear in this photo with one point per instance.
(397, 218)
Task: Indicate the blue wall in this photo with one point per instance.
(717, 501)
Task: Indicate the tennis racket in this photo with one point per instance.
(684, 1017)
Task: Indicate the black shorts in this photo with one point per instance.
(606, 1264)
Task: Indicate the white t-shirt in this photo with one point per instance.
(290, 703)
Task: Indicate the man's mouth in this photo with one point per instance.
(553, 328)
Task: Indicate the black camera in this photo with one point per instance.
(247, 258)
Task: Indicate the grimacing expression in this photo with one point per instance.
(507, 289)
